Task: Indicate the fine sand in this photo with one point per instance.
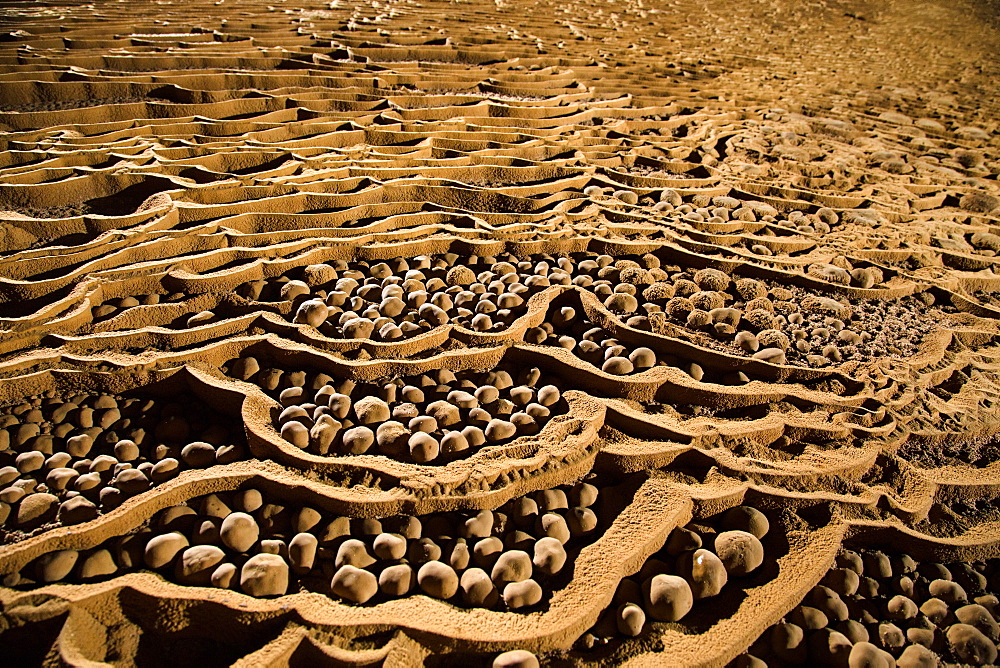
(500, 333)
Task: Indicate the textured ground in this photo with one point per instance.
(500, 333)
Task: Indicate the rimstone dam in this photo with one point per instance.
(500, 333)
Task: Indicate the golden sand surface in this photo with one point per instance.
(513, 333)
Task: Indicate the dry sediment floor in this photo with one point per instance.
(402, 333)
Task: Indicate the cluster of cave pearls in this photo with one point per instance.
(416, 333)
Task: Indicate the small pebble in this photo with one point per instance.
(438, 579)
(354, 584)
(517, 658)
(264, 575)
